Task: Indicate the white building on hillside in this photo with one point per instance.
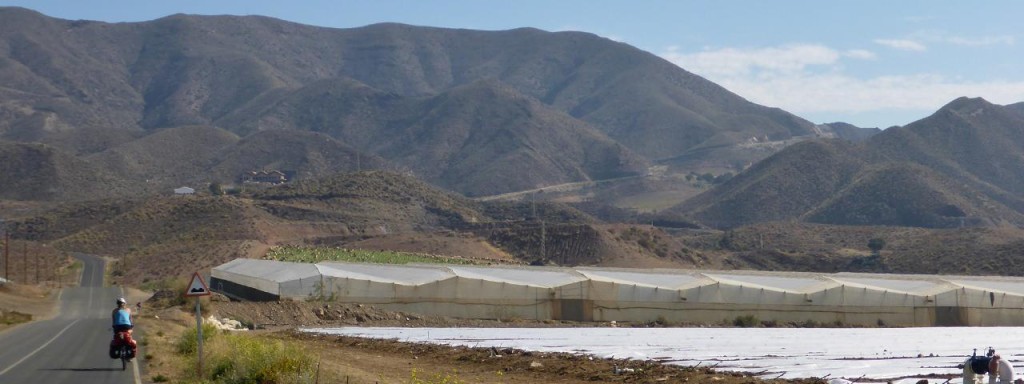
(184, 191)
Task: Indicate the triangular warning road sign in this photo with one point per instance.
(197, 287)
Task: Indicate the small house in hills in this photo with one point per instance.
(265, 177)
(183, 191)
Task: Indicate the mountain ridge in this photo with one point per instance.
(953, 168)
(477, 112)
(129, 79)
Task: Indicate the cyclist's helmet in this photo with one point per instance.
(121, 300)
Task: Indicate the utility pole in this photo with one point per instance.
(543, 238)
(7, 256)
(533, 205)
(543, 229)
(3, 229)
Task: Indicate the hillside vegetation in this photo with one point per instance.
(959, 167)
(155, 239)
(173, 101)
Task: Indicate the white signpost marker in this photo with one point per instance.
(196, 289)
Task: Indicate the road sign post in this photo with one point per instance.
(7, 239)
(198, 288)
(7, 255)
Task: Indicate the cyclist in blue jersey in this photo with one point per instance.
(122, 321)
(122, 316)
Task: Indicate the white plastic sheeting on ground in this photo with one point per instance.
(869, 355)
(636, 295)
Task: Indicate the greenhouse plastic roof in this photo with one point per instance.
(899, 283)
(546, 277)
(803, 284)
(553, 277)
(271, 270)
(1015, 287)
(386, 273)
(671, 280)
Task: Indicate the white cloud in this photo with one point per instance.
(981, 41)
(735, 62)
(810, 79)
(862, 54)
(936, 36)
(902, 44)
(841, 93)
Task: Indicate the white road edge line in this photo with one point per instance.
(40, 348)
(135, 368)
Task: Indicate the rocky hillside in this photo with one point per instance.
(478, 112)
(32, 171)
(959, 167)
(385, 129)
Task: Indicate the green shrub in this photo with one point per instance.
(810, 324)
(237, 358)
(160, 379)
(746, 321)
(187, 344)
(248, 324)
(12, 317)
(662, 321)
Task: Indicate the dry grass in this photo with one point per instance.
(22, 303)
(13, 317)
(656, 201)
(157, 336)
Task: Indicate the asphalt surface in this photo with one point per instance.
(72, 346)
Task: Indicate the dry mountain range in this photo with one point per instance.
(476, 112)
(387, 128)
(962, 166)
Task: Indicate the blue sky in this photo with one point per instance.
(870, 63)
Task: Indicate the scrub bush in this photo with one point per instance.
(187, 344)
(232, 358)
(746, 321)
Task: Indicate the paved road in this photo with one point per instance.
(71, 347)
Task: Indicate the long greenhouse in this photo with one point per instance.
(635, 295)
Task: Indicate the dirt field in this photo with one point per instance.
(358, 360)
